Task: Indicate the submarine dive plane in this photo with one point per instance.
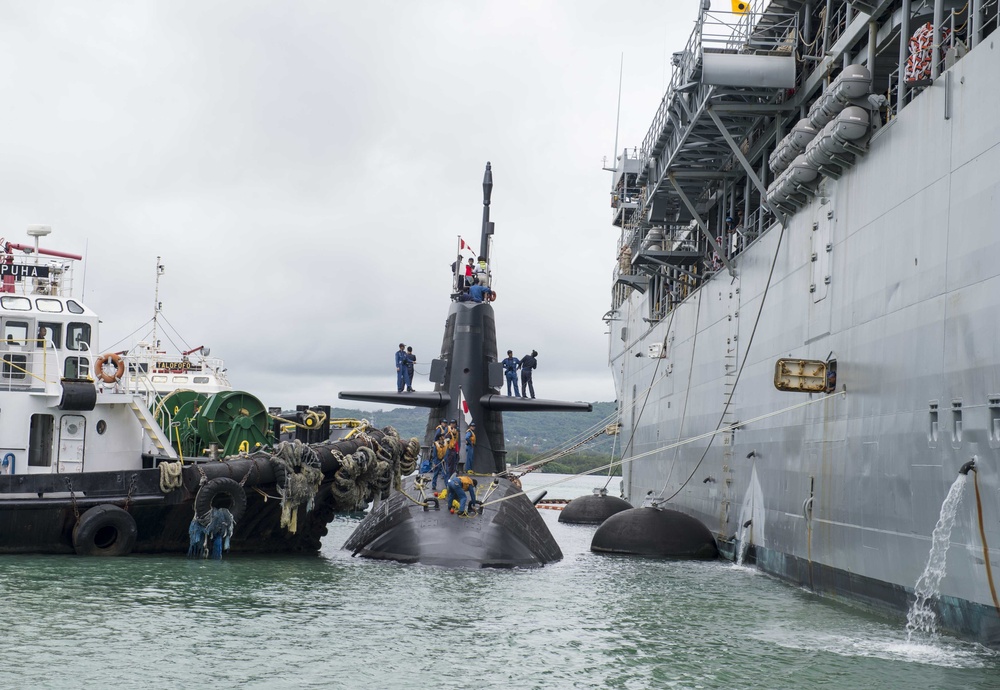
(505, 530)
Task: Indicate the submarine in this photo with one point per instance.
(505, 530)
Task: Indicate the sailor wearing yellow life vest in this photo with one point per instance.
(462, 489)
(451, 457)
(440, 450)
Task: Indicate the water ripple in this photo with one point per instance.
(334, 621)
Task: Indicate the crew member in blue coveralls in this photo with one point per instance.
(457, 488)
(479, 293)
(410, 360)
(510, 366)
(402, 370)
(528, 364)
(470, 446)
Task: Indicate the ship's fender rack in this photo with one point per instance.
(825, 142)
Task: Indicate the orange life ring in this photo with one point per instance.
(115, 359)
(492, 296)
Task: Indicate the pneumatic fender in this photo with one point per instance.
(105, 530)
(213, 488)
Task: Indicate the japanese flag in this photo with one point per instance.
(463, 407)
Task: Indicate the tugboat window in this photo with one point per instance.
(53, 332)
(201, 379)
(78, 336)
(40, 441)
(48, 305)
(14, 366)
(16, 303)
(76, 368)
(16, 332)
(73, 308)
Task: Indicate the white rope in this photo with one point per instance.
(170, 476)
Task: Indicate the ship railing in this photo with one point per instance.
(138, 382)
(759, 31)
(961, 31)
(685, 64)
(763, 30)
(58, 283)
(835, 25)
(28, 364)
(753, 226)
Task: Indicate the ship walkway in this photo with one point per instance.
(732, 76)
(742, 80)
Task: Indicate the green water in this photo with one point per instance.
(337, 622)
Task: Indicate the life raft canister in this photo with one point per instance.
(115, 359)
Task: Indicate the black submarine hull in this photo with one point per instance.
(409, 526)
(509, 532)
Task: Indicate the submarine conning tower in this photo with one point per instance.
(505, 530)
(469, 371)
(468, 356)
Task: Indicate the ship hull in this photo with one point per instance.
(893, 271)
(413, 527)
(39, 512)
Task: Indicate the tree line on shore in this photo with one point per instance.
(528, 435)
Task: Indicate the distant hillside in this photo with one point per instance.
(532, 431)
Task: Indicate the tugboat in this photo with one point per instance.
(156, 370)
(505, 530)
(93, 462)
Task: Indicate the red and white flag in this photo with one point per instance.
(463, 407)
(462, 244)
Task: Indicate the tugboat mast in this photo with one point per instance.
(156, 303)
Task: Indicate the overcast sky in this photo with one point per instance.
(304, 169)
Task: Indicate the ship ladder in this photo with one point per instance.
(152, 429)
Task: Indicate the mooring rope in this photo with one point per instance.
(671, 446)
(170, 476)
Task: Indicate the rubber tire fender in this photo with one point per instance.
(221, 485)
(280, 472)
(105, 530)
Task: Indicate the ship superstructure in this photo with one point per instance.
(806, 301)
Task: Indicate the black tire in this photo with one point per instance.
(105, 531)
(212, 489)
(280, 472)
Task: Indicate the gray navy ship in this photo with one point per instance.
(805, 315)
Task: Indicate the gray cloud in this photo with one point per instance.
(304, 169)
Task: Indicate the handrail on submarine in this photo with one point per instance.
(490, 401)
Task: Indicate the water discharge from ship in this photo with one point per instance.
(920, 617)
(744, 544)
